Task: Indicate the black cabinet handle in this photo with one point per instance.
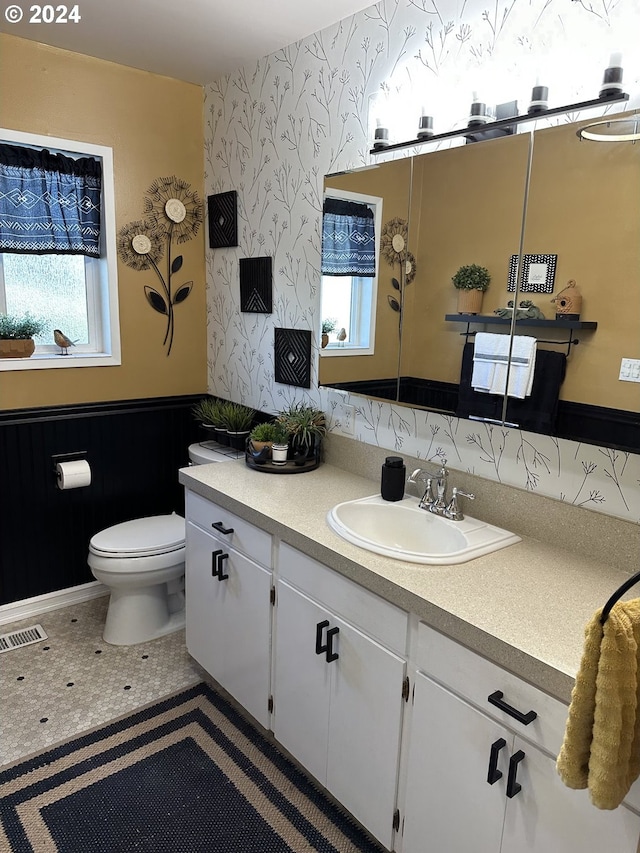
(327, 647)
(219, 526)
(221, 576)
(320, 648)
(214, 563)
(494, 774)
(525, 719)
(514, 787)
(331, 655)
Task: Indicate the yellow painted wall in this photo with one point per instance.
(154, 125)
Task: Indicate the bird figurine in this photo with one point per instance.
(62, 341)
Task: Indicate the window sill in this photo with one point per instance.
(47, 361)
(333, 350)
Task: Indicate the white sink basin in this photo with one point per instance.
(401, 530)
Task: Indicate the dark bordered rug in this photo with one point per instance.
(186, 775)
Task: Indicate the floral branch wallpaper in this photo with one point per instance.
(274, 129)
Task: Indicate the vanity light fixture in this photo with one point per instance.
(425, 126)
(381, 136)
(612, 130)
(478, 114)
(612, 79)
(539, 99)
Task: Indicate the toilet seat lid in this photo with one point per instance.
(142, 537)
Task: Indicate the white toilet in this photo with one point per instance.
(142, 564)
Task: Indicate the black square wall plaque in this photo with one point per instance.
(223, 219)
(292, 351)
(255, 285)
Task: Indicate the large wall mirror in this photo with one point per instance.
(539, 210)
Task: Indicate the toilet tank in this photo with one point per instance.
(206, 452)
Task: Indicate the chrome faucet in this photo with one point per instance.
(434, 498)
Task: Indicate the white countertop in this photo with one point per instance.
(525, 607)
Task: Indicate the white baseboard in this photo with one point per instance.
(28, 607)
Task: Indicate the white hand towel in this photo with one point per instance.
(523, 362)
(488, 348)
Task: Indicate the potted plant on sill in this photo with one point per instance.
(17, 333)
(471, 281)
(306, 426)
(238, 420)
(328, 325)
(280, 446)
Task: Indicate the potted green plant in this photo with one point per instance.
(471, 281)
(237, 419)
(306, 426)
(208, 411)
(280, 446)
(328, 326)
(17, 333)
(263, 435)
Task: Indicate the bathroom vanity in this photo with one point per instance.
(429, 700)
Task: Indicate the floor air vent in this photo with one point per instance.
(25, 637)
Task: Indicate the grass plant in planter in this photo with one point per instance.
(306, 426)
(471, 281)
(17, 333)
(208, 411)
(238, 420)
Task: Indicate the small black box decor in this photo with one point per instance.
(292, 351)
(223, 219)
(255, 285)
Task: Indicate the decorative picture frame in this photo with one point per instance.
(539, 272)
(256, 285)
(223, 219)
(292, 357)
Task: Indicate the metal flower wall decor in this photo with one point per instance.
(393, 248)
(173, 214)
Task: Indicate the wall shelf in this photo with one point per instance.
(569, 326)
(504, 126)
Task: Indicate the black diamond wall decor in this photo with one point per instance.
(292, 351)
(223, 219)
(256, 285)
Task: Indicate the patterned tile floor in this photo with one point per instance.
(74, 681)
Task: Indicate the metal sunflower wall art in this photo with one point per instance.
(173, 213)
(393, 248)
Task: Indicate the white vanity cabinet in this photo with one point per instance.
(339, 668)
(228, 591)
(479, 779)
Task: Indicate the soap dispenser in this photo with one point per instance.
(394, 474)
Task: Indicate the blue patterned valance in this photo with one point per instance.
(49, 203)
(348, 239)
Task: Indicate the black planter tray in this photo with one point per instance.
(289, 467)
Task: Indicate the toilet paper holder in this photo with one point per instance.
(72, 456)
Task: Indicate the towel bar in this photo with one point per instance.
(617, 595)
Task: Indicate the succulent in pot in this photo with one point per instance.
(263, 435)
(17, 333)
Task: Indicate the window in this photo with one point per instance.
(75, 293)
(350, 300)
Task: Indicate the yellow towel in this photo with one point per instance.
(601, 748)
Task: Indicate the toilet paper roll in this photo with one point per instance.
(73, 475)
